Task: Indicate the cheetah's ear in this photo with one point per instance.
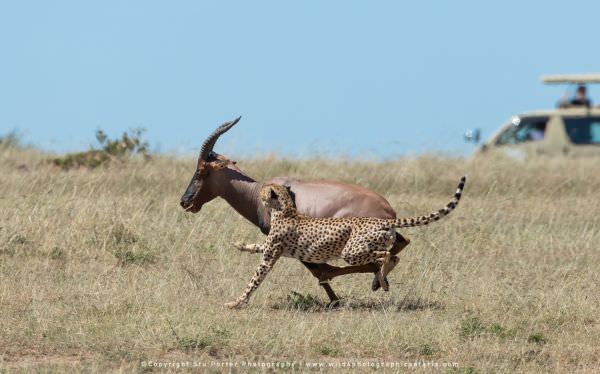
(291, 193)
(273, 194)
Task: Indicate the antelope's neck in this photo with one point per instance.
(242, 193)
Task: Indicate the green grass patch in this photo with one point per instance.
(298, 301)
(473, 327)
(214, 340)
(134, 257)
(427, 350)
(537, 338)
(57, 253)
(327, 350)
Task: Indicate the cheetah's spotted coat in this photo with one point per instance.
(358, 240)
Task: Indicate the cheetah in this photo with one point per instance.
(357, 240)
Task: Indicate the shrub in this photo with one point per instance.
(111, 150)
(10, 140)
(125, 146)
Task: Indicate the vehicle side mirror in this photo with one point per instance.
(473, 136)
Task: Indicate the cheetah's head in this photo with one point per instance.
(276, 197)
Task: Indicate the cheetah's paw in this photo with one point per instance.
(235, 304)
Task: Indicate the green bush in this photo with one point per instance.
(111, 150)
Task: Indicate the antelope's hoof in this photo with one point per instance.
(333, 304)
(375, 284)
(386, 285)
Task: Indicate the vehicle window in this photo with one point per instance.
(584, 130)
(524, 130)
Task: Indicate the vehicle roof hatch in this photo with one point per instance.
(571, 78)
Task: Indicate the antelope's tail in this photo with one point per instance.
(425, 220)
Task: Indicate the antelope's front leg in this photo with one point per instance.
(252, 248)
(269, 259)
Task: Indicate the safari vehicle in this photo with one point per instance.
(569, 130)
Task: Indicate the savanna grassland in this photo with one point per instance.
(101, 269)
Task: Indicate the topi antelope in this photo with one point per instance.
(217, 176)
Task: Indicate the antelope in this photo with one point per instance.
(218, 176)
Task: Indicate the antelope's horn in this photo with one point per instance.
(209, 143)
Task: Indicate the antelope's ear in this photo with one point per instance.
(201, 164)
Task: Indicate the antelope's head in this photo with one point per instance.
(202, 187)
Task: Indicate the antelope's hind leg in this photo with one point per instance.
(387, 264)
(381, 248)
(399, 244)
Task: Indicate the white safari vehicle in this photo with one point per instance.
(569, 130)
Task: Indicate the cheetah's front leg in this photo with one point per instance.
(270, 256)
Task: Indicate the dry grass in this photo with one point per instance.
(103, 270)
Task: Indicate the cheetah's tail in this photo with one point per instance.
(425, 220)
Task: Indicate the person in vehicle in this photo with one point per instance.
(580, 99)
(537, 131)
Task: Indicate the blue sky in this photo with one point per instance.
(358, 78)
